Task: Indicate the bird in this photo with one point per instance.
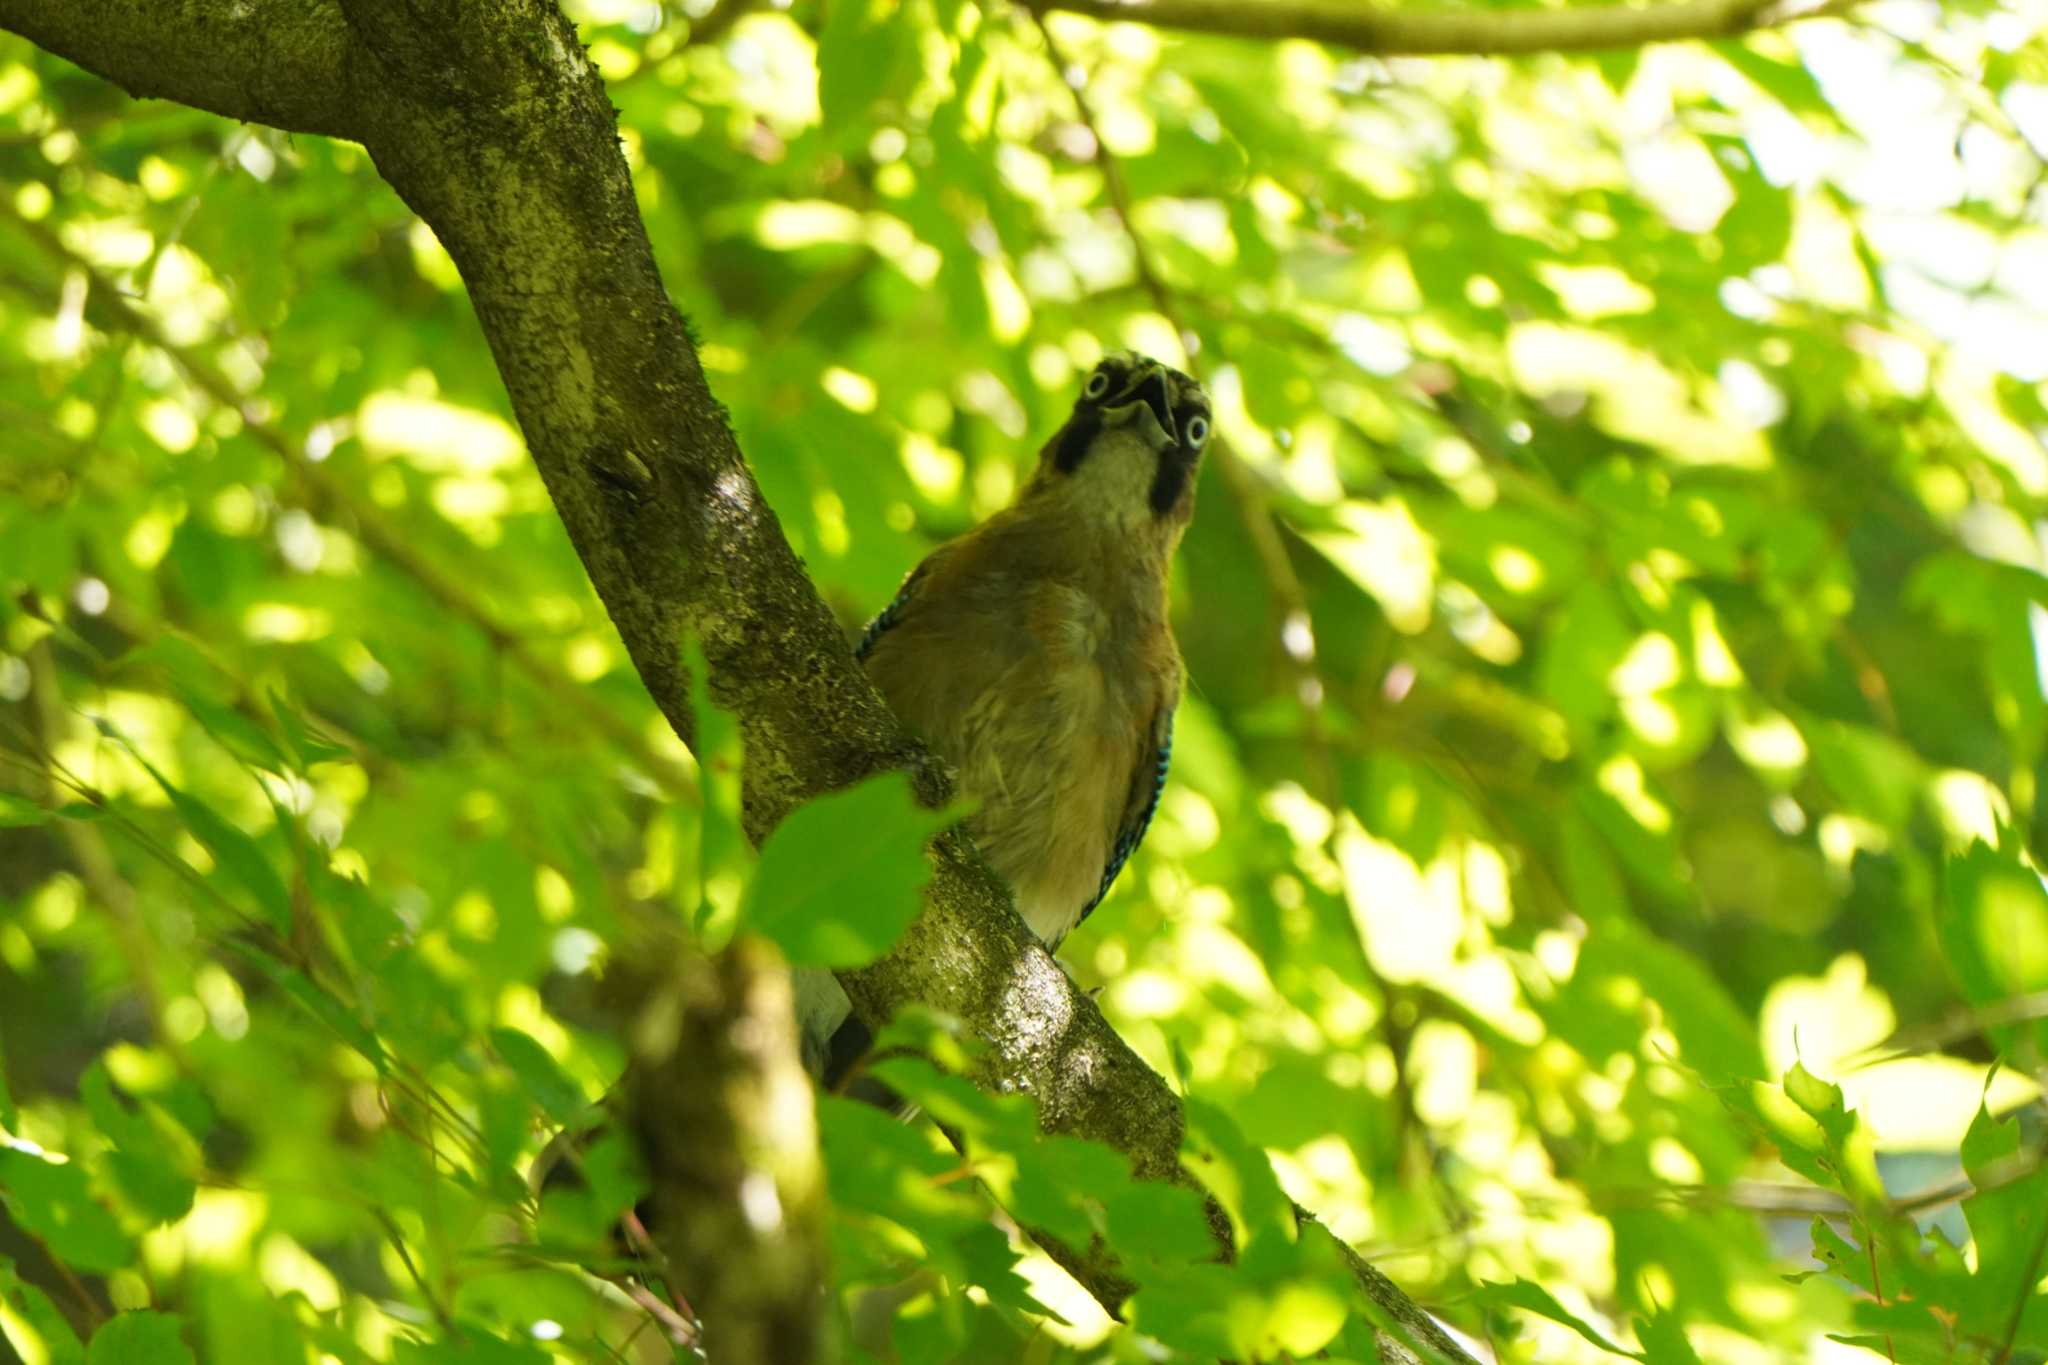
(1034, 656)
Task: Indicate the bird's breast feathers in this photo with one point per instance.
(1042, 706)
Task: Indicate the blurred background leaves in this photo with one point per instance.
(1615, 666)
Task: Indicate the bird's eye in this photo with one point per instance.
(1198, 430)
(1098, 385)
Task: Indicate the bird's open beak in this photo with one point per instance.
(1146, 406)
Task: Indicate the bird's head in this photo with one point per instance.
(1129, 452)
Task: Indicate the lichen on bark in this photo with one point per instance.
(490, 123)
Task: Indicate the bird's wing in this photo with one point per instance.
(1148, 779)
(891, 614)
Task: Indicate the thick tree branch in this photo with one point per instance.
(515, 165)
(288, 63)
(721, 1106)
(300, 65)
(492, 125)
(1392, 32)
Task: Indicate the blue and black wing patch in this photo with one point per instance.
(891, 614)
(1145, 800)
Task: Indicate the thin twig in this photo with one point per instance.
(397, 1240)
(1877, 1285)
(95, 863)
(1397, 32)
(94, 1313)
(262, 938)
(713, 25)
(1914, 1040)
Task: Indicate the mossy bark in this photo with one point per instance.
(487, 118)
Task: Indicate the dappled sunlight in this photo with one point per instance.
(281, 621)
(1446, 1061)
(1601, 827)
(1147, 994)
(774, 65)
(185, 297)
(1919, 1104)
(1969, 807)
(1622, 778)
(1592, 292)
(1767, 740)
(1040, 998)
(436, 436)
(1411, 922)
(1390, 557)
(1823, 1022)
(1970, 393)
(287, 1268)
(1634, 396)
(1080, 1321)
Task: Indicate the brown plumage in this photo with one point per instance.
(1034, 653)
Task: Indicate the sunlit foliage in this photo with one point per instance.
(1615, 720)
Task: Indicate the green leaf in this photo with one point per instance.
(54, 1201)
(1006, 1121)
(861, 55)
(1712, 1031)
(139, 1339)
(585, 1208)
(2008, 1218)
(1534, 1298)
(1840, 1255)
(1911, 1335)
(471, 1345)
(307, 747)
(1239, 1175)
(841, 877)
(1789, 82)
(322, 1005)
(235, 732)
(1994, 924)
(538, 1071)
(239, 855)
(241, 219)
(991, 1263)
(1664, 1340)
(18, 812)
(115, 1123)
(1147, 1221)
(155, 1188)
(1191, 1308)
(1587, 643)
(52, 1327)
(234, 1320)
(1868, 771)
(140, 1163)
(1823, 1103)
(1842, 1160)
(1061, 1181)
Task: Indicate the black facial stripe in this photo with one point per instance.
(1171, 481)
(1075, 439)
